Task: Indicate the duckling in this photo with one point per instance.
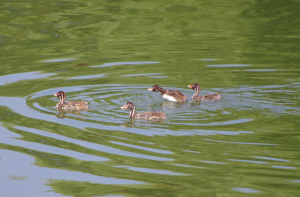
(197, 88)
(171, 95)
(146, 115)
(72, 105)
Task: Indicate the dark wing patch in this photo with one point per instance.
(214, 96)
(174, 93)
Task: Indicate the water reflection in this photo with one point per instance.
(261, 70)
(89, 145)
(249, 161)
(104, 101)
(147, 170)
(28, 175)
(285, 167)
(272, 159)
(228, 65)
(6, 79)
(245, 190)
(88, 77)
(140, 75)
(246, 136)
(143, 148)
(10, 138)
(63, 114)
(188, 166)
(59, 60)
(124, 63)
(213, 162)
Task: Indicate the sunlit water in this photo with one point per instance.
(245, 144)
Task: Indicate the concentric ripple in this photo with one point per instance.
(107, 139)
(190, 118)
(105, 112)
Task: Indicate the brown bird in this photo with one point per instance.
(197, 88)
(146, 115)
(72, 105)
(171, 95)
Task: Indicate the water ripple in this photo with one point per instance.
(59, 60)
(94, 146)
(284, 167)
(34, 173)
(6, 79)
(124, 63)
(248, 161)
(143, 148)
(152, 171)
(213, 162)
(228, 65)
(270, 158)
(8, 137)
(245, 190)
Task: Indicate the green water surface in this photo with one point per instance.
(110, 52)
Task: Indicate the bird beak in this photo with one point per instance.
(55, 94)
(124, 107)
(190, 86)
(150, 89)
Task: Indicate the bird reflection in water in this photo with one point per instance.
(141, 123)
(63, 114)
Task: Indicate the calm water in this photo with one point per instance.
(110, 52)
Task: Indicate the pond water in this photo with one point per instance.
(110, 52)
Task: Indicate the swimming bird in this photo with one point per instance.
(197, 88)
(159, 115)
(171, 95)
(72, 105)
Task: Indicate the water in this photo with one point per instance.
(110, 52)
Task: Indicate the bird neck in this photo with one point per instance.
(62, 100)
(162, 91)
(197, 91)
(132, 112)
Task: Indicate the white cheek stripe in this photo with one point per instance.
(170, 98)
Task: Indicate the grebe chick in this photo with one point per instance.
(197, 88)
(171, 95)
(72, 105)
(146, 115)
